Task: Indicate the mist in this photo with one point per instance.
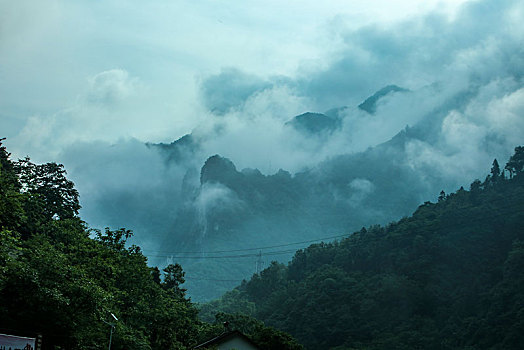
(461, 107)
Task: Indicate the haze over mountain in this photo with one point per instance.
(341, 123)
(450, 276)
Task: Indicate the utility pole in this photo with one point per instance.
(259, 263)
(111, 335)
(112, 325)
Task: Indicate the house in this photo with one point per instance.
(228, 341)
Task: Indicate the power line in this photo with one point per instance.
(210, 279)
(203, 254)
(351, 243)
(246, 249)
(381, 236)
(278, 252)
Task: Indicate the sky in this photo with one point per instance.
(88, 83)
(82, 71)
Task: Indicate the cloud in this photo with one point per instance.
(464, 100)
(110, 87)
(213, 201)
(480, 43)
(362, 185)
(111, 100)
(253, 135)
(125, 184)
(230, 89)
(361, 188)
(464, 73)
(444, 61)
(213, 196)
(489, 127)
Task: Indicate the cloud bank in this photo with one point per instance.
(464, 74)
(463, 71)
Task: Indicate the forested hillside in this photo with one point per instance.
(64, 281)
(448, 277)
(451, 276)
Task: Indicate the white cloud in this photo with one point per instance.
(110, 87)
(113, 105)
(217, 199)
(49, 49)
(490, 126)
(215, 196)
(77, 73)
(361, 188)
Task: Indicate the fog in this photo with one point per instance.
(461, 66)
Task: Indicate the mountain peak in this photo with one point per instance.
(370, 104)
(314, 123)
(219, 169)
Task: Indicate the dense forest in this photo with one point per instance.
(451, 276)
(448, 277)
(63, 280)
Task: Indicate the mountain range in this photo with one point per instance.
(224, 213)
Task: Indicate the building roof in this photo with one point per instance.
(223, 338)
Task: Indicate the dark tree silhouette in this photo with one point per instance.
(515, 165)
(49, 183)
(173, 278)
(495, 171)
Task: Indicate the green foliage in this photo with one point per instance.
(449, 277)
(231, 302)
(49, 183)
(267, 338)
(64, 284)
(346, 191)
(515, 165)
(57, 281)
(11, 211)
(495, 170)
(173, 278)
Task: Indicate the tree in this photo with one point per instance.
(495, 171)
(57, 280)
(7, 169)
(265, 337)
(115, 239)
(173, 278)
(434, 280)
(515, 165)
(155, 274)
(48, 182)
(11, 211)
(476, 186)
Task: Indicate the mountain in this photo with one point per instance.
(179, 150)
(370, 104)
(448, 277)
(78, 288)
(231, 209)
(315, 123)
(216, 218)
(228, 210)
